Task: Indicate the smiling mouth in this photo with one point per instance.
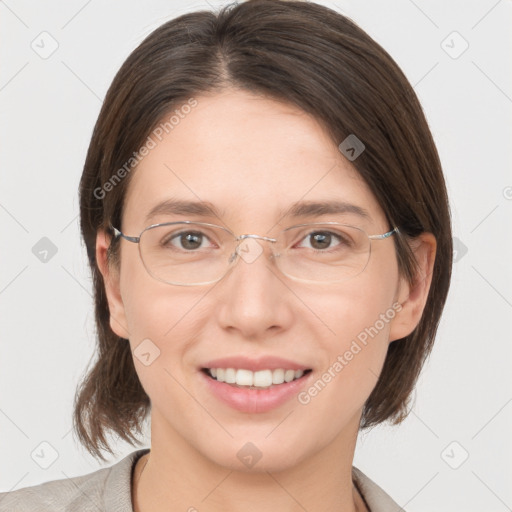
(247, 379)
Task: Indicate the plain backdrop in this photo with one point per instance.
(57, 61)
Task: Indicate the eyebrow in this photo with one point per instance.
(311, 208)
(296, 210)
(181, 207)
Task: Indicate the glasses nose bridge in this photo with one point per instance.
(240, 238)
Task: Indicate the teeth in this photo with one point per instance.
(278, 376)
(244, 377)
(263, 378)
(230, 376)
(289, 375)
(259, 379)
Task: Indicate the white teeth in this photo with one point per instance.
(278, 376)
(289, 375)
(244, 378)
(263, 378)
(259, 379)
(230, 376)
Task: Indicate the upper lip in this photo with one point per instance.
(255, 364)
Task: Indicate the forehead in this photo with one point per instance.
(250, 156)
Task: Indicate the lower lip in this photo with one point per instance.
(255, 400)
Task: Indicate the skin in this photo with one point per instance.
(253, 156)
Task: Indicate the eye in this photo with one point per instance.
(319, 240)
(187, 240)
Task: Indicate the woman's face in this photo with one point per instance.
(252, 158)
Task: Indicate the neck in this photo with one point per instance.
(175, 476)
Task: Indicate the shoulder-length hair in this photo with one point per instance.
(296, 52)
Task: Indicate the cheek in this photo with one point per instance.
(163, 321)
(163, 330)
(356, 321)
(346, 311)
(151, 307)
(158, 312)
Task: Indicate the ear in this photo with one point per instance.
(414, 297)
(111, 280)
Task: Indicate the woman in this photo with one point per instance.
(268, 228)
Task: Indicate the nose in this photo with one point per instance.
(254, 301)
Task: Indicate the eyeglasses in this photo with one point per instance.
(189, 253)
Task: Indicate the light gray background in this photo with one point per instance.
(48, 109)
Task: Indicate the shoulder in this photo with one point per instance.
(376, 498)
(104, 490)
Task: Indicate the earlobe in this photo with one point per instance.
(414, 297)
(111, 280)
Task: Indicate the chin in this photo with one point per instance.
(256, 454)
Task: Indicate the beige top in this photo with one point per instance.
(109, 490)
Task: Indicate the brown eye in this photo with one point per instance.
(320, 240)
(187, 240)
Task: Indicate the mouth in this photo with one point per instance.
(260, 379)
(254, 384)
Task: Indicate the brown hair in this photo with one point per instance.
(296, 52)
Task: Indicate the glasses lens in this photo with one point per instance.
(198, 253)
(185, 253)
(324, 252)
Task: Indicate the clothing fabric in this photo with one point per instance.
(109, 490)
